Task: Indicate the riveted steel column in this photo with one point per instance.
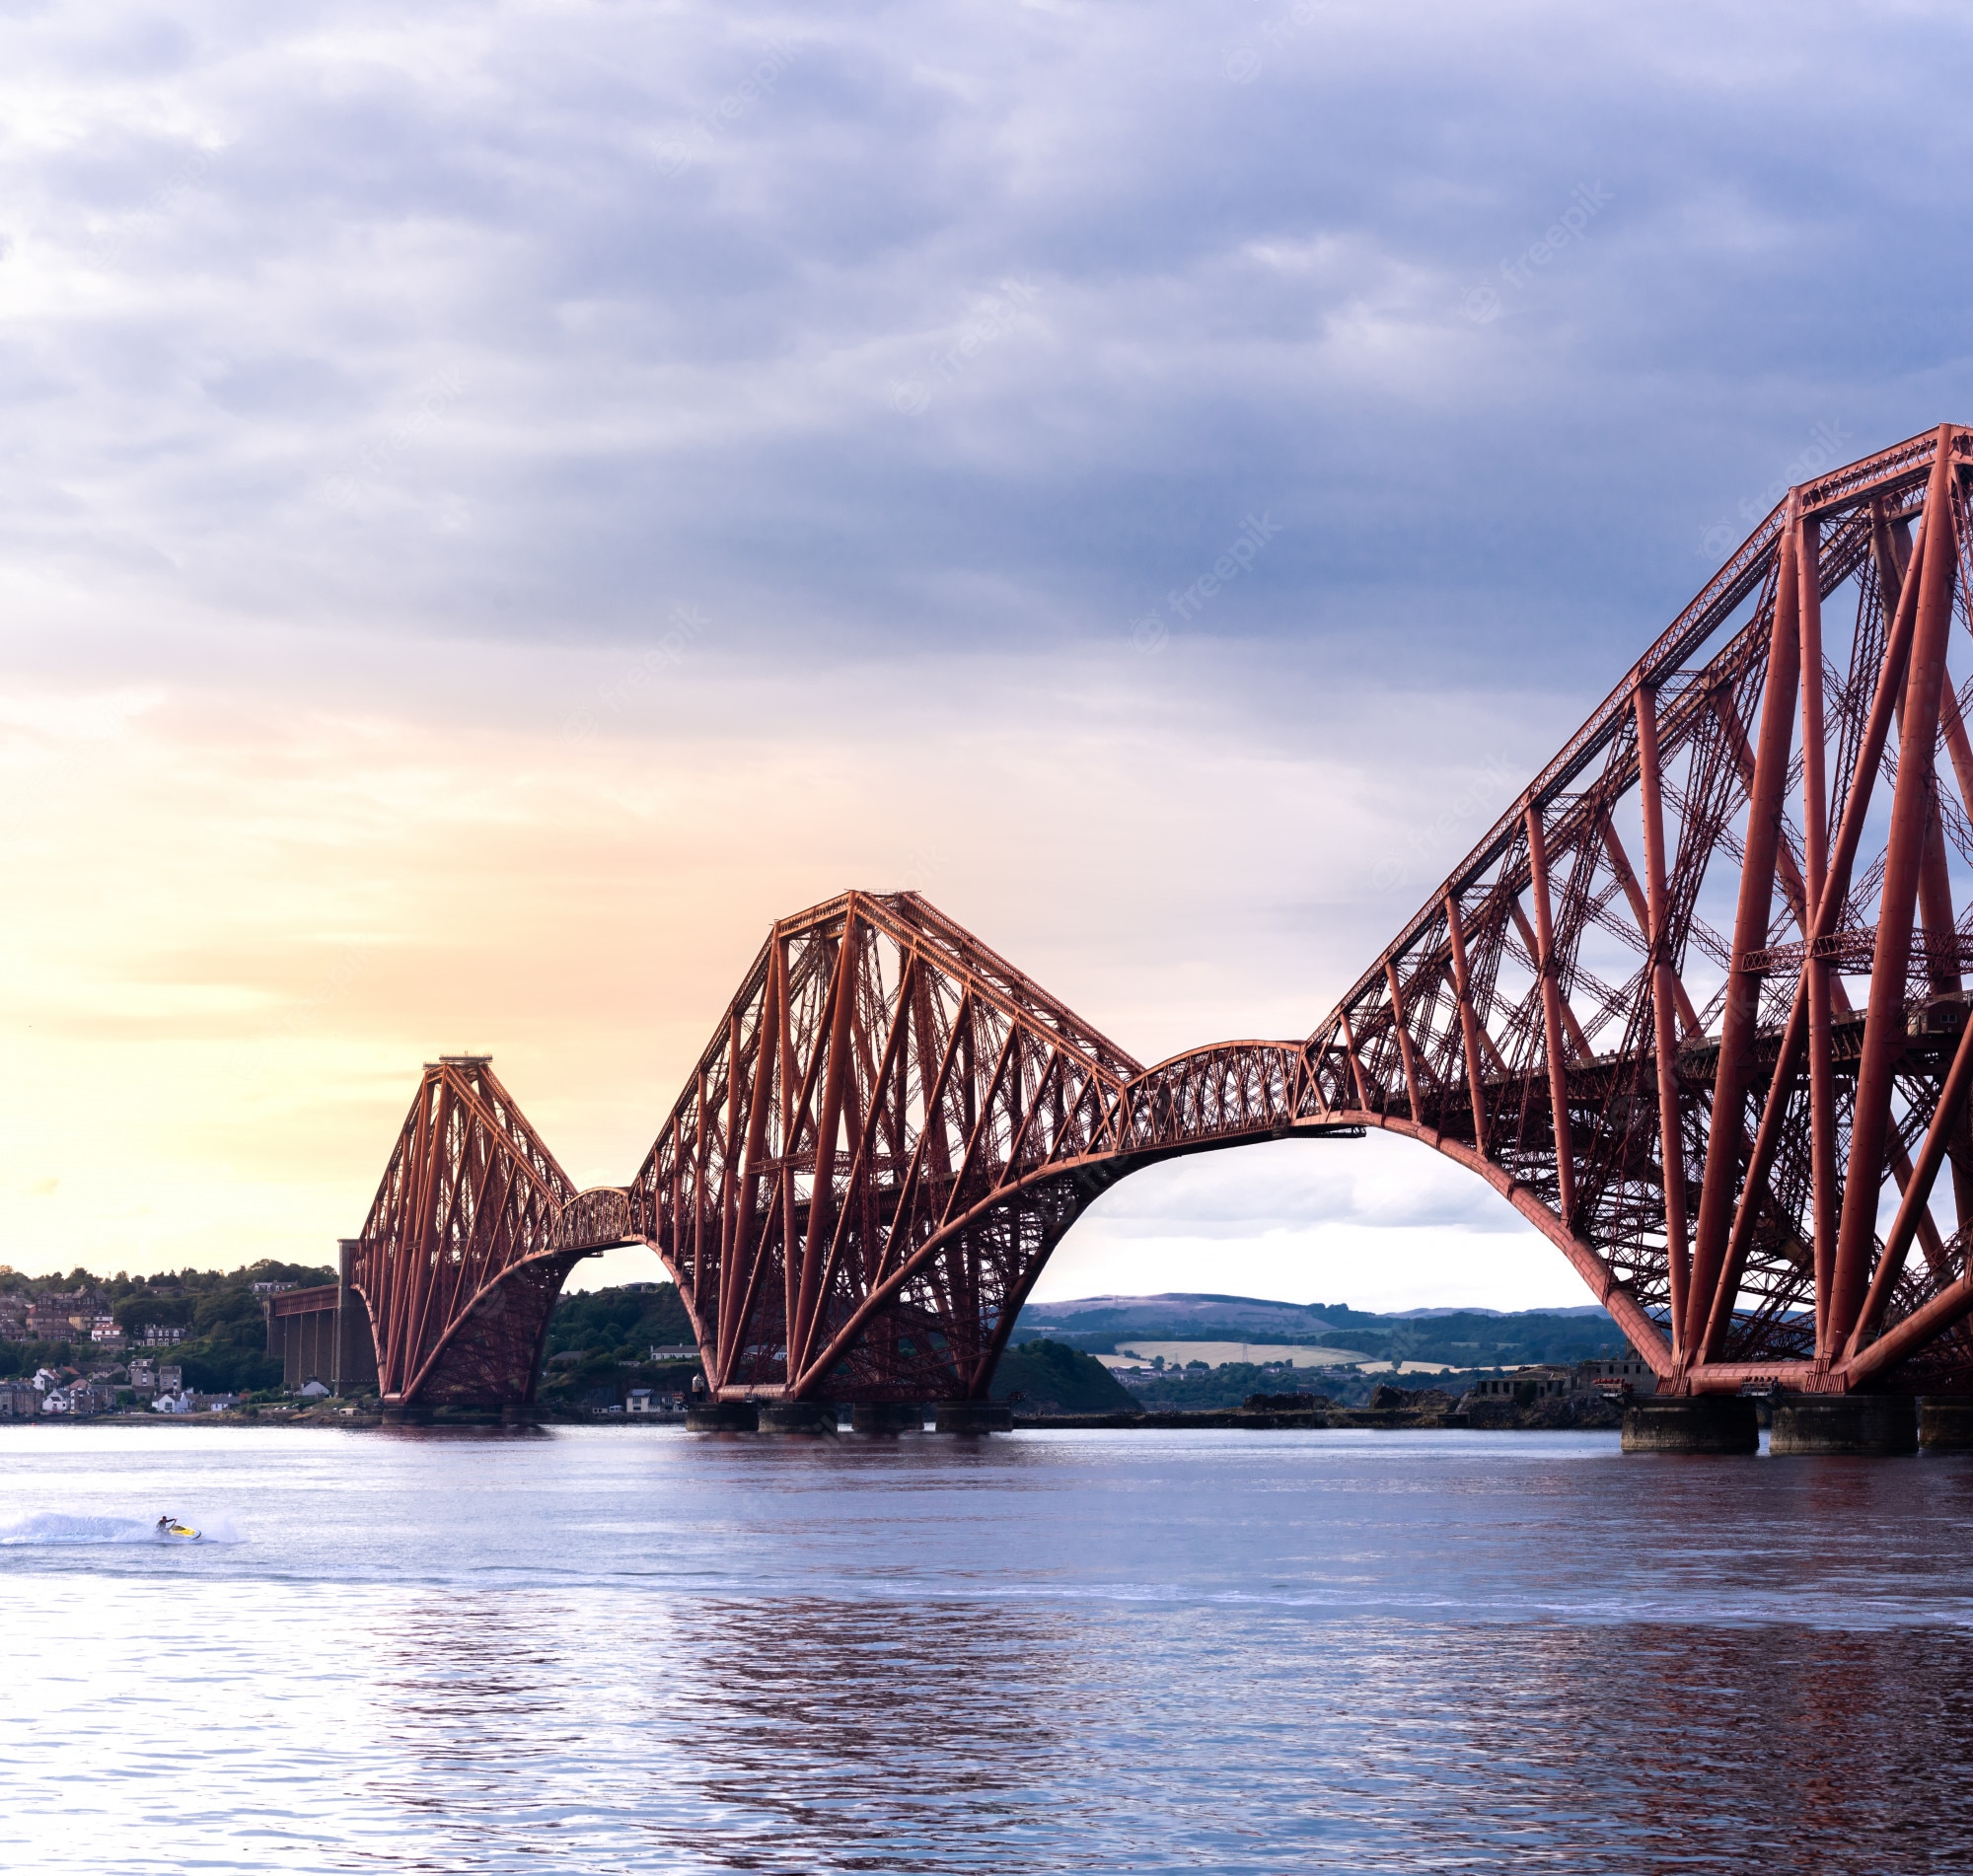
(1910, 803)
(1404, 1043)
(1805, 543)
(1468, 1023)
(1665, 1027)
(1750, 934)
(1551, 991)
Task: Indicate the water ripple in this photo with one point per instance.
(624, 1650)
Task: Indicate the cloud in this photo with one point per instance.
(485, 325)
(1161, 477)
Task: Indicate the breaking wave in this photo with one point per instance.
(81, 1526)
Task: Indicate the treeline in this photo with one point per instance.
(225, 1344)
(1464, 1341)
(599, 1346)
(1050, 1377)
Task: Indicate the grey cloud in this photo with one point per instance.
(486, 325)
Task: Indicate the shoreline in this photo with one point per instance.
(1173, 1421)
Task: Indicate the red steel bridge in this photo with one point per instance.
(1694, 1006)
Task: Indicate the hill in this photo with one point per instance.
(1464, 1338)
(1183, 1317)
(217, 1312)
(1052, 1378)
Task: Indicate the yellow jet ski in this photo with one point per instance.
(171, 1528)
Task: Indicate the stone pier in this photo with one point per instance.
(1692, 1423)
(1869, 1425)
(722, 1417)
(972, 1416)
(1945, 1423)
(798, 1416)
(886, 1417)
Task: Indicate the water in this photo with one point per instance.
(628, 1649)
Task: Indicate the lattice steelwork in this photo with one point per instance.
(458, 1261)
(890, 1131)
(1717, 934)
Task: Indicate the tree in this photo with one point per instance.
(136, 1314)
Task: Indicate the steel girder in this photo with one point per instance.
(1695, 1006)
(468, 1243)
(1697, 1000)
(888, 1134)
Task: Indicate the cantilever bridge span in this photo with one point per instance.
(1694, 1005)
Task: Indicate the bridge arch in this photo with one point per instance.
(1694, 1005)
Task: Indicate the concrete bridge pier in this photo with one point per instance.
(1945, 1423)
(972, 1416)
(886, 1417)
(797, 1416)
(1692, 1423)
(722, 1417)
(1874, 1425)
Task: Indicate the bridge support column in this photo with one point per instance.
(973, 1416)
(1875, 1424)
(798, 1416)
(886, 1417)
(1692, 1423)
(722, 1417)
(1945, 1423)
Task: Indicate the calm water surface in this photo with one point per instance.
(630, 1650)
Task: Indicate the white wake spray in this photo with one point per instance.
(81, 1526)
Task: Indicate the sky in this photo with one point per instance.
(499, 503)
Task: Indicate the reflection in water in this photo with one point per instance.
(882, 1737)
(472, 1733)
(621, 1654)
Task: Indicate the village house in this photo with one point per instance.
(1547, 1381)
(1630, 1375)
(1543, 1381)
(63, 1315)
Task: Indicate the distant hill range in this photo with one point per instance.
(1473, 1338)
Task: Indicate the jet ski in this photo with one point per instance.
(171, 1530)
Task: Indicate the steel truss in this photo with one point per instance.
(1694, 1006)
(1734, 1134)
(467, 1244)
